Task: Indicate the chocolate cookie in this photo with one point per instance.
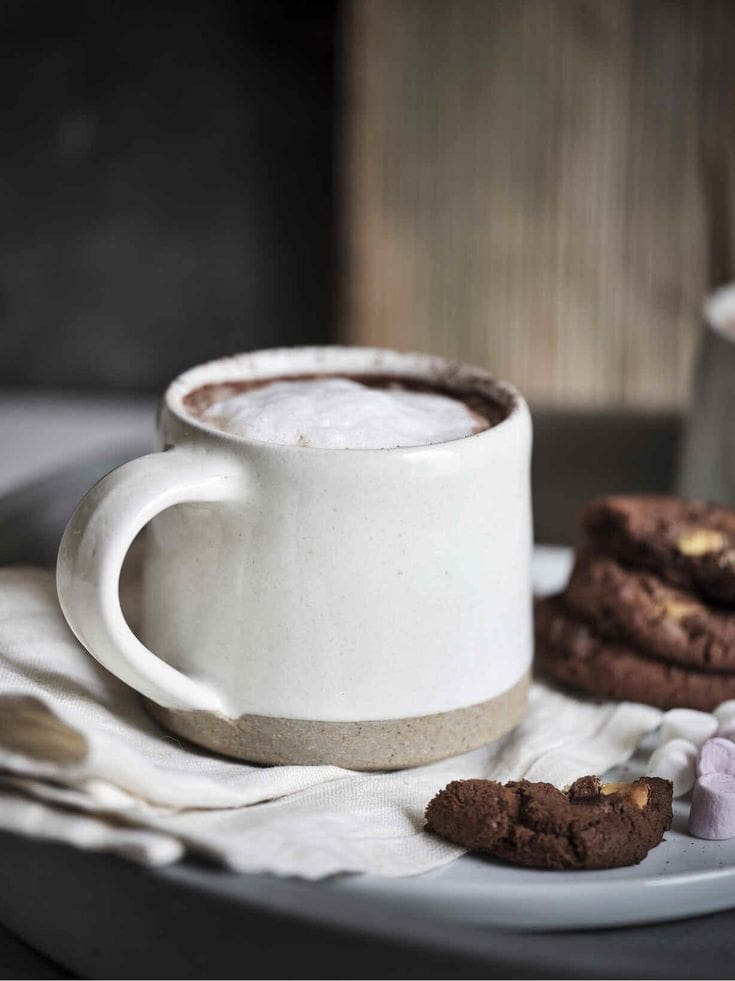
(568, 651)
(688, 543)
(640, 609)
(591, 826)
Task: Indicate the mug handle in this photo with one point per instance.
(91, 555)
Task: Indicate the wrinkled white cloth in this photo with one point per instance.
(81, 762)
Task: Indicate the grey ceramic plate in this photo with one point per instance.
(683, 877)
(102, 917)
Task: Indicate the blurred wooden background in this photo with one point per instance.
(540, 186)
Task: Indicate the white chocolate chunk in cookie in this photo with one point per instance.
(638, 794)
(701, 541)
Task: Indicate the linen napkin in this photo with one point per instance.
(82, 762)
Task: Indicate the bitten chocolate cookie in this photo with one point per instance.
(568, 651)
(591, 826)
(688, 543)
(640, 609)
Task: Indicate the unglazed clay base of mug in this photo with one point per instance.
(377, 745)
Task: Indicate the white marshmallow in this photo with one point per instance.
(337, 413)
(676, 761)
(725, 712)
(689, 724)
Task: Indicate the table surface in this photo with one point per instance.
(137, 919)
(40, 433)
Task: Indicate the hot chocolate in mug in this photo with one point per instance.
(368, 607)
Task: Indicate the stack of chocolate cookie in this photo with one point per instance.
(649, 611)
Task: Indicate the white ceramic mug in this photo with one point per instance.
(369, 608)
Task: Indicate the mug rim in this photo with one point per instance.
(315, 358)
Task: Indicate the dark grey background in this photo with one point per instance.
(166, 185)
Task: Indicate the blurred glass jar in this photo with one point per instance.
(707, 467)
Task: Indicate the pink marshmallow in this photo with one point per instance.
(717, 756)
(712, 814)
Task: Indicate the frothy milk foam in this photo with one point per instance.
(338, 413)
